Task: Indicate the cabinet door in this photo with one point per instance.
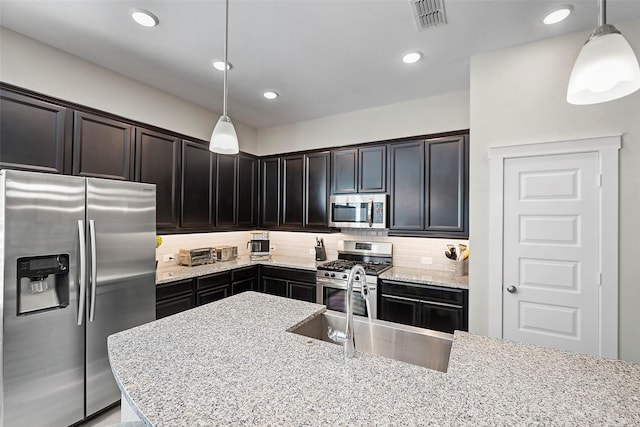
(173, 305)
(407, 186)
(399, 310)
(211, 295)
(372, 169)
(102, 147)
(226, 191)
(270, 192)
(33, 134)
(243, 286)
(293, 191)
(274, 286)
(442, 318)
(302, 291)
(247, 191)
(447, 186)
(345, 171)
(157, 161)
(317, 190)
(198, 191)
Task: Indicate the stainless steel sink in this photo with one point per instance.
(422, 347)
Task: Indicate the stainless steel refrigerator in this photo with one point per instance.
(77, 265)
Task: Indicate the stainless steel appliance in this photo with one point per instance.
(77, 261)
(226, 253)
(259, 245)
(331, 278)
(358, 211)
(193, 257)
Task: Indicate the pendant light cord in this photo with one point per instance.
(602, 15)
(226, 59)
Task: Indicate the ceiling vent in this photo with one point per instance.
(428, 13)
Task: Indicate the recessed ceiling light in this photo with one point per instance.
(219, 65)
(144, 18)
(411, 57)
(270, 95)
(558, 14)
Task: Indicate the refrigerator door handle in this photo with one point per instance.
(94, 269)
(83, 271)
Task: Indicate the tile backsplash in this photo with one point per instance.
(412, 252)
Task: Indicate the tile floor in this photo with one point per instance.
(108, 418)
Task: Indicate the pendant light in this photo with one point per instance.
(224, 139)
(606, 68)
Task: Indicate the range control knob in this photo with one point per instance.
(344, 276)
(357, 277)
(333, 275)
(326, 274)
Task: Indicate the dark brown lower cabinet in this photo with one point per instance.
(174, 297)
(213, 287)
(244, 279)
(289, 283)
(426, 306)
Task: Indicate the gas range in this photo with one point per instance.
(332, 276)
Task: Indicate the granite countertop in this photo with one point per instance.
(232, 362)
(172, 272)
(427, 277)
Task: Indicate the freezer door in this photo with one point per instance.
(42, 347)
(121, 291)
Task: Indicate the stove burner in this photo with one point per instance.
(370, 267)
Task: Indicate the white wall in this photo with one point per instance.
(29, 64)
(518, 96)
(423, 116)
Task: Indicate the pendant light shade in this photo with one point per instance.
(606, 68)
(224, 139)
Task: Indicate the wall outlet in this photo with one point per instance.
(167, 258)
(426, 260)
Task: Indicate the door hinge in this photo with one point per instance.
(599, 180)
(600, 279)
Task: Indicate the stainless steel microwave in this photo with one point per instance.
(358, 211)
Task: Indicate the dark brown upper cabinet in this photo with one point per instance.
(247, 192)
(102, 147)
(157, 162)
(293, 191)
(270, 192)
(360, 170)
(430, 187)
(226, 191)
(197, 205)
(317, 180)
(33, 134)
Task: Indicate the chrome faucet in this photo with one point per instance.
(347, 337)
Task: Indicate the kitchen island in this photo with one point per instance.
(232, 362)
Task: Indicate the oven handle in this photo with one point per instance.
(328, 283)
(440, 304)
(370, 213)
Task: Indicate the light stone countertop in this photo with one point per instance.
(426, 277)
(232, 362)
(172, 272)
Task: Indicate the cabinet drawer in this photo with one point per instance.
(424, 292)
(213, 280)
(289, 274)
(173, 305)
(244, 273)
(212, 294)
(172, 289)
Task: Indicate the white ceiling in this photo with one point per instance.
(323, 57)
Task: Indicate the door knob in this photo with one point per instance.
(512, 289)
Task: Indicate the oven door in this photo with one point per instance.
(334, 296)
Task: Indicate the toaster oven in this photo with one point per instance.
(192, 257)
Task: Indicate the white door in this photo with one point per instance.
(551, 268)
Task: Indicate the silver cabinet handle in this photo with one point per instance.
(83, 272)
(94, 269)
(512, 289)
(370, 212)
